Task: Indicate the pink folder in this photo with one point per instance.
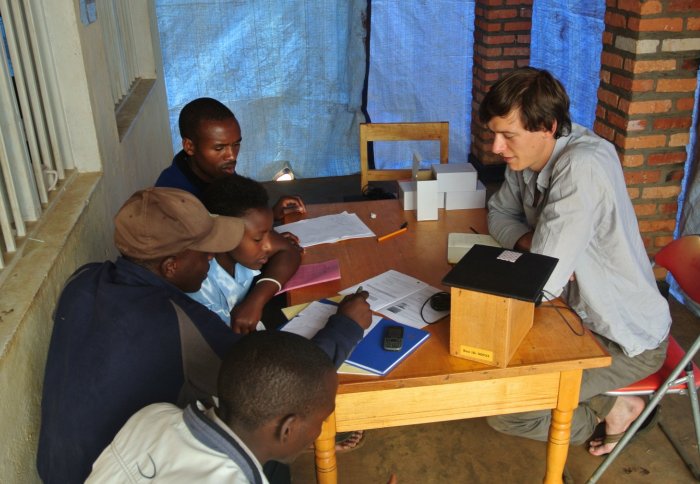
(309, 274)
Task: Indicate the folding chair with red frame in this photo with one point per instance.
(682, 259)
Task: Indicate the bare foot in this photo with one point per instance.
(624, 412)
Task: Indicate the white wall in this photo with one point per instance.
(78, 227)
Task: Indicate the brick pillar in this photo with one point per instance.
(501, 43)
(645, 102)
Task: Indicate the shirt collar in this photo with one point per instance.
(544, 176)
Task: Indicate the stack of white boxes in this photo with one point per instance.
(454, 186)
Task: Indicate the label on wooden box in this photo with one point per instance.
(487, 328)
(470, 352)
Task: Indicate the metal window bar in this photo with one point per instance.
(118, 33)
(33, 140)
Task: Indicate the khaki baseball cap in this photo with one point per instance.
(158, 222)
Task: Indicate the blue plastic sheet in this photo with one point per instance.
(567, 39)
(292, 72)
(421, 70)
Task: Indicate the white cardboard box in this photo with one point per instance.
(426, 200)
(454, 176)
(407, 195)
(455, 200)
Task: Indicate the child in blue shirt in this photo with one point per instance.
(229, 290)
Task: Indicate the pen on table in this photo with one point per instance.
(401, 230)
(473, 230)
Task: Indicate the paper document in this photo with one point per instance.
(307, 319)
(400, 297)
(309, 274)
(327, 229)
(459, 244)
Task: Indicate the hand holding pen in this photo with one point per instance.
(356, 307)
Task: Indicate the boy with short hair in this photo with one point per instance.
(275, 390)
(211, 140)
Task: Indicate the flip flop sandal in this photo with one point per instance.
(350, 442)
(648, 424)
(343, 442)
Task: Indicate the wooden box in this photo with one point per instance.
(487, 328)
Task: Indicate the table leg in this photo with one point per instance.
(324, 451)
(560, 428)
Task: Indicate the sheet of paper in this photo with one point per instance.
(309, 274)
(346, 369)
(400, 297)
(307, 319)
(291, 311)
(314, 316)
(327, 229)
(311, 319)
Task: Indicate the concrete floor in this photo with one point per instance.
(469, 451)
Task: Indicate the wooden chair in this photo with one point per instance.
(682, 259)
(439, 131)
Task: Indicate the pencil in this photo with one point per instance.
(473, 230)
(401, 230)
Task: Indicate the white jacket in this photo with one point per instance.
(163, 443)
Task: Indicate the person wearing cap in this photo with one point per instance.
(126, 334)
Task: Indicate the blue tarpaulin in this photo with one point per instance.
(292, 72)
(567, 39)
(420, 70)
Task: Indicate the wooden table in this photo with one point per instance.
(430, 385)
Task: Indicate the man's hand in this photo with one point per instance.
(525, 242)
(246, 315)
(356, 307)
(288, 205)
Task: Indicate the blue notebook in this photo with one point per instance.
(370, 355)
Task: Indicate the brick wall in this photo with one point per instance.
(648, 76)
(645, 102)
(501, 43)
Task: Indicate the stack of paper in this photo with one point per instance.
(400, 297)
(327, 229)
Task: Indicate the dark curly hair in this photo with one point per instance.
(234, 195)
(199, 110)
(269, 374)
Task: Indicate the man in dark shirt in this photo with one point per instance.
(126, 335)
(211, 139)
